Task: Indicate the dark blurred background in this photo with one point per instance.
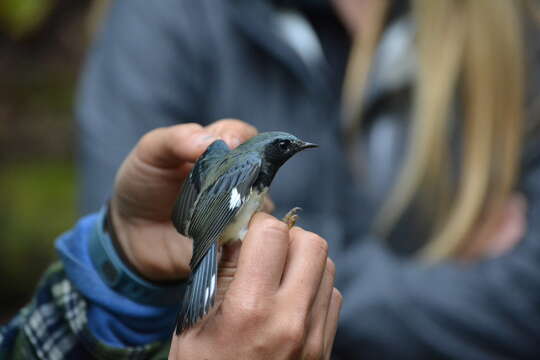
(42, 44)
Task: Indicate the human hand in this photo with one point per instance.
(500, 230)
(146, 188)
(279, 303)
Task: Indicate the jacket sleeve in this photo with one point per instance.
(75, 315)
(490, 309)
(54, 325)
(142, 72)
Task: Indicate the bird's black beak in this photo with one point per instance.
(306, 145)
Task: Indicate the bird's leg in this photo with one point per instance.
(292, 216)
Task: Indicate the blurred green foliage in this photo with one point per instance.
(37, 206)
(43, 42)
(20, 17)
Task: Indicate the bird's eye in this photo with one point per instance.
(283, 145)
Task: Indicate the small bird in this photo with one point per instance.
(220, 195)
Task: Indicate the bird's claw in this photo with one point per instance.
(292, 216)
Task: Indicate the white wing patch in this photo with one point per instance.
(237, 229)
(209, 291)
(206, 294)
(213, 285)
(236, 199)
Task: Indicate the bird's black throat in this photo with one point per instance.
(266, 175)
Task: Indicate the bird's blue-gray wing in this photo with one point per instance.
(220, 203)
(183, 208)
(216, 208)
(201, 291)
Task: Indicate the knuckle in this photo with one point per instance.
(180, 133)
(189, 130)
(225, 125)
(318, 243)
(230, 122)
(191, 126)
(331, 267)
(293, 335)
(323, 246)
(252, 312)
(237, 126)
(338, 296)
(311, 243)
(273, 227)
(149, 136)
(249, 129)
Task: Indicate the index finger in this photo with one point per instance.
(263, 255)
(305, 267)
(232, 131)
(169, 147)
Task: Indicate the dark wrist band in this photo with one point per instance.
(120, 276)
(108, 228)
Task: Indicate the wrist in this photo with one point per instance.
(119, 231)
(145, 248)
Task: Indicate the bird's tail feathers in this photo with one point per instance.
(201, 292)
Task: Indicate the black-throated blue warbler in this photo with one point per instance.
(220, 195)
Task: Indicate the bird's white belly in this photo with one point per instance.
(237, 229)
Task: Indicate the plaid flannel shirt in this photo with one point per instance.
(54, 326)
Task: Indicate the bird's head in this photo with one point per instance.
(276, 147)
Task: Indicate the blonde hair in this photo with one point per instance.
(470, 52)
